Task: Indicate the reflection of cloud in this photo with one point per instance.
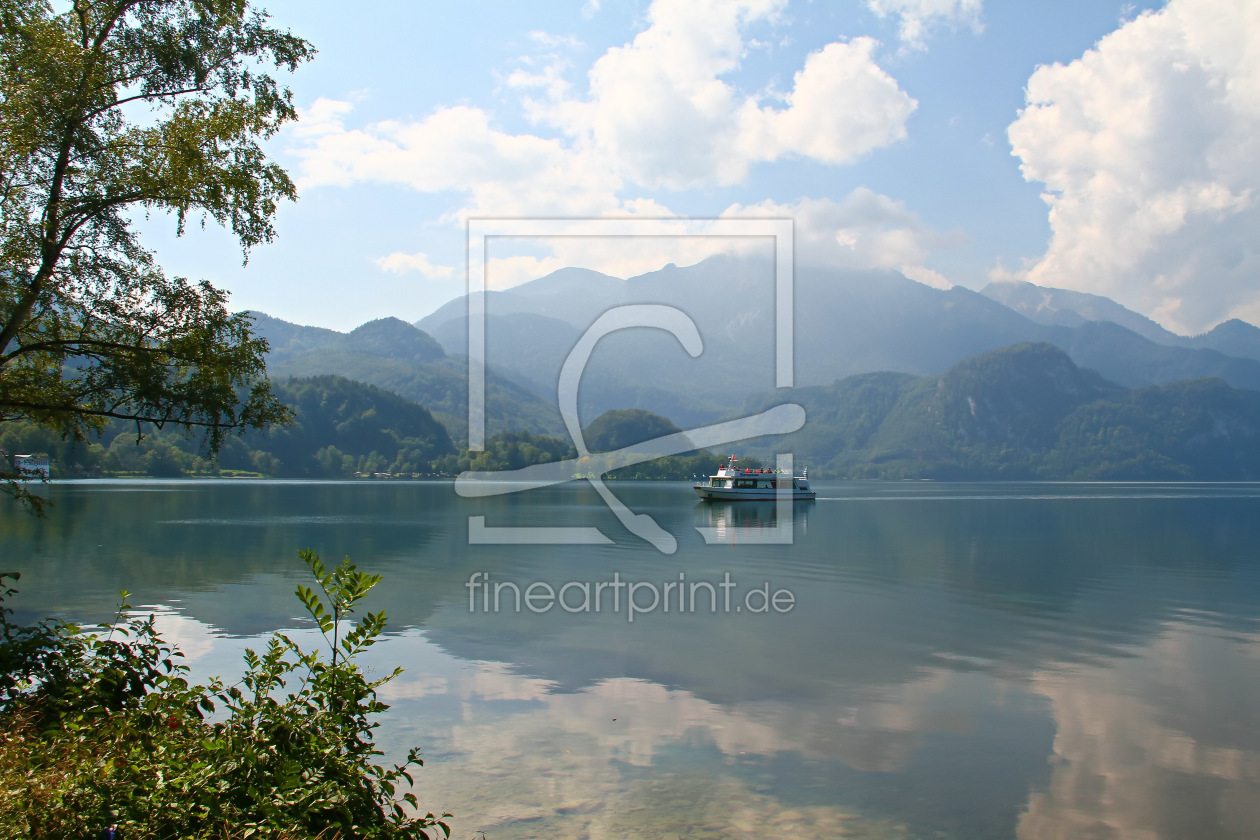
(401, 689)
(493, 681)
(594, 763)
(188, 635)
(1156, 745)
(556, 770)
(649, 716)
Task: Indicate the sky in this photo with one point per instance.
(1084, 144)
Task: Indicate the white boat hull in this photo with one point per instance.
(731, 494)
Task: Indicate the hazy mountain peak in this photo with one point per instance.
(1065, 307)
(1233, 338)
(268, 326)
(383, 325)
(394, 338)
(567, 281)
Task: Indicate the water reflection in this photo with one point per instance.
(969, 661)
(1164, 743)
(734, 523)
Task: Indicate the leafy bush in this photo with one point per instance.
(102, 726)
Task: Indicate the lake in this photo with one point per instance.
(923, 660)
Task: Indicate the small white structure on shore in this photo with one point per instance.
(30, 466)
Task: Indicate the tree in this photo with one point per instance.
(109, 108)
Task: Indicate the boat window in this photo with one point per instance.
(717, 482)
(745, 483)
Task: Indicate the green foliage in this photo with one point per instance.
(508, 451)
(679, 467)
(398, 357)
(339, 428)
(514, 450)
(1025, 412)
(343, 427)
(90, 327)
(102, 726)
(620, 428)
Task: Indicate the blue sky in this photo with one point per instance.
(1091, 145)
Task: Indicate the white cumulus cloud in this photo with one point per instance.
(400, 263)
(660, 107)
(458, 150)
(918, 18)
(842, 106)
(657, 113)
(859, 231)
(1147, 148)
(863, 230)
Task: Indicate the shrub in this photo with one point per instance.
(102, 725)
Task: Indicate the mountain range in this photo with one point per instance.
(846, 323)
(393, 355)
(1022, 412)
(865, 344)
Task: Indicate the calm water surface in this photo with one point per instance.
(959, 660)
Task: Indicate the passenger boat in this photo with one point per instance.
(731, 483)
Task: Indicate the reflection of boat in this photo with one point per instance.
(731, 521)
(730, 483)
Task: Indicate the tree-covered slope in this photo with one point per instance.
(620, 428)
(398, 357)
(388, 338)
(342, 427)
(1200, 429)
(1025, 411)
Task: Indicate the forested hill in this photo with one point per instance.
(394, 355)
(620, 428)
(342, 427)
(1025, 411)
(1022, 412)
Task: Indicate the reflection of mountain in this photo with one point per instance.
(1001, 583)
(905, 686)
(1075, 571)
(226, 551)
